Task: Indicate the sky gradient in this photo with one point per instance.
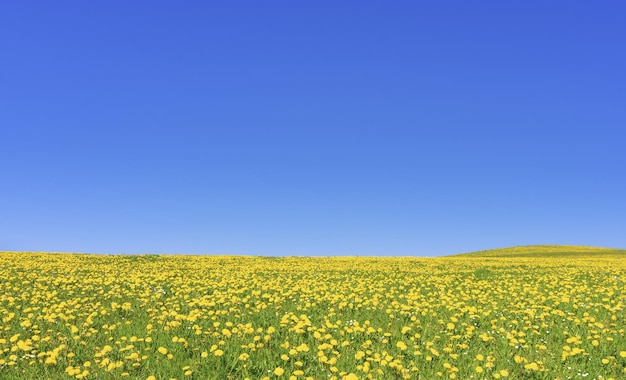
(311, 128)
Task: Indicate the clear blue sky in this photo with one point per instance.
(311, 128)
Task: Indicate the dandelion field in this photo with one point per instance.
(522, 313)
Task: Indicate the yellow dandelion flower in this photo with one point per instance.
(278, 371)
(532, 366)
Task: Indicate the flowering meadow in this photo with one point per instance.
(544, 312)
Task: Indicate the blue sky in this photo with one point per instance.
(311, 128)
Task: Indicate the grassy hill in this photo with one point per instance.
(547, 251)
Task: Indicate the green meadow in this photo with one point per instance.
(539, 312)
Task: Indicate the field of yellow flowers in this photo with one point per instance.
(521, 313)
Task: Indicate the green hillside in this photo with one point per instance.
(547, 251)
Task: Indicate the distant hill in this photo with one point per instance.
(546, 251)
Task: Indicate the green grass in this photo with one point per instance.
(547, 251)
(541, 312)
